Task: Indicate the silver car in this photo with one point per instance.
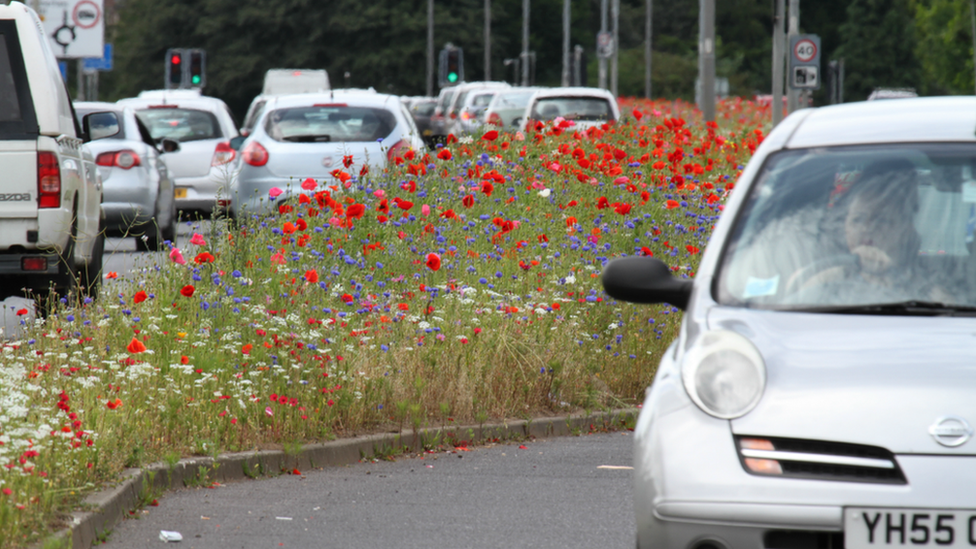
(822, 389)
(206, 164)
(507, 107)
(335, 138)
(137, 192)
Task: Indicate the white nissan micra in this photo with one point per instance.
(822, 390)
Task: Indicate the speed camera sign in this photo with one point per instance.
(804, 62)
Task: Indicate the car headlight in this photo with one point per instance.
(724, 374)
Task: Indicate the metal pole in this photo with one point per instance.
(972, 10)
(602, 72)
(430, 48)
(647, 47)
(706, 59)
(616, 47)
(487, 40)
(525, 42)
(80, 66)
(777, 105)
(793, 96)
(566, 17)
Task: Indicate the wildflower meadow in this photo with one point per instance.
(457, 285)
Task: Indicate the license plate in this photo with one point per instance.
(866, 528)
(179, 192)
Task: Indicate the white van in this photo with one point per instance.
(50, 192)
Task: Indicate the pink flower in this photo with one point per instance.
(176, 256)
(275, 192)
(622, 180)
(269, 412)
(309, 184)
(425, 210)
(379, 193)
(197, 239)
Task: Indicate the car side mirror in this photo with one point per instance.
(169, 145)
(236, 142)
(99, 125)
(645, 280)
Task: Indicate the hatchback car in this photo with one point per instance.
(464, 96)
(586, 107)
(137, 192)
(821, 390)
(507, 107)
(331, 137)
(205, 165)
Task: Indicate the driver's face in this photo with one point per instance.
(870, 223)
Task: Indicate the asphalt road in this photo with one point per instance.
(555, 493)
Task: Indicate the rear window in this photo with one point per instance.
(572, 108)
(514, 100)
(424, 109)
(482, 100)
(16, 109)
(326, 123)
(180, 124)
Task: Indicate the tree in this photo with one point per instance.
(878, 47)
(945, 46)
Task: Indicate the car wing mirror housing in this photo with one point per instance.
(642, 279)
(169, 145)
(236, 142)
(99, 125)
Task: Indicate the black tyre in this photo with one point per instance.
(91, 275)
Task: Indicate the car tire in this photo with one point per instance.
(92, 274)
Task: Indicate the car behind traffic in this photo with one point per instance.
(585, 107)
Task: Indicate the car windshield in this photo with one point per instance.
(841, 227)
(179, 124)
(516, 100)
(323, 123)
(572, 108)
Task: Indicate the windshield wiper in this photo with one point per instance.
(908, 308)
(311, 138)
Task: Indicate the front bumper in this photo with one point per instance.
(691, 489)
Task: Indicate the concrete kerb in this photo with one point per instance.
(111, 505)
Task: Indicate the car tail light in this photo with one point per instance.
(33, 264)
(330, 105)
(254, 154)
(453, 115)
(465, 115)
(164, 106)
(496, 119)
(398, 149)
(123, 159)
(223, 154)
(48, 180)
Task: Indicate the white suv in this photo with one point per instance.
(50, 191)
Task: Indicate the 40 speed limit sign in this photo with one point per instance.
(804, 62)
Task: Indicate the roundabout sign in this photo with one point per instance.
(76, 28)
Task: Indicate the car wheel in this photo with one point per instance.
(92, 274)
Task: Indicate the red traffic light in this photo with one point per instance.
(175, 59)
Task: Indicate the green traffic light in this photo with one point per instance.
(196, 79)
(452, 77)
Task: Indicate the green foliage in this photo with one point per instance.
(878, 47)
(945, 46)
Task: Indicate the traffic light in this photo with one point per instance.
(198, 68)
(174, 68)
(453, 65)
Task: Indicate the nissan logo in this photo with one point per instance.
(951, 431)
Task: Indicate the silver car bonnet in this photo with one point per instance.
(876, 380)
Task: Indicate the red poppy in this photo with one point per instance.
(288, 228)
(468, 201)
(433, 261)
(444, 154)
(622, 209)
(184, 359)
(112, 274)
(602, 202)
(113, 404)
(139, 297)
(204, 257)
(490, 135)
(570, 221)
(309, 184)
(312, 276)
(692, 249)
(487, 188)
(672, 204)
(187, 290)
(135, 346)
(301, 224)
(647, 251)
(404, 204)
(21, 312)
(355, 211)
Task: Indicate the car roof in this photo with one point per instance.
(574, 92)
(186, 101)
(362, 98)
(921, 119)
(95, 105)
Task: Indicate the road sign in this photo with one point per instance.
(804, 62)
(76, 28)
(805, 77)
(103, 63)
(604, 45)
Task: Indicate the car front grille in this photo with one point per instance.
(820, 460)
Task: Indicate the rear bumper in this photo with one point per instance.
(11, 264)
(202, 193)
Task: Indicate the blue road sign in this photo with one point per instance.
(103, 63)
(63, 66)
